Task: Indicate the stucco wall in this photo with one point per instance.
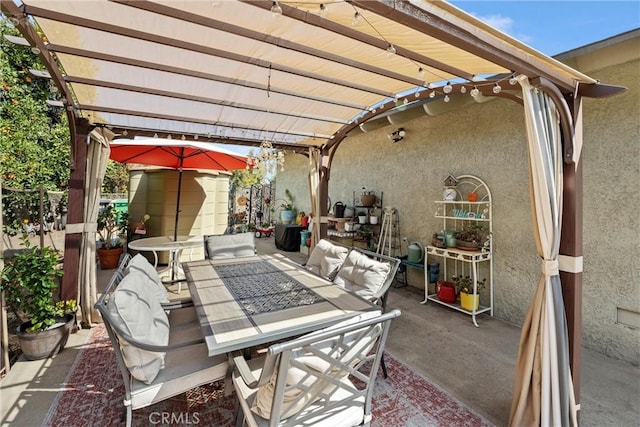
(488, 140)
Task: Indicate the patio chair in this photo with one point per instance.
(325, 378)
(229, 245)
(326, 258)
(370, 275)
(159, 355)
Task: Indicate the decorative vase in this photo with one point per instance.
(287, 217)
(40, 345)
(109, 258)
(470, 302)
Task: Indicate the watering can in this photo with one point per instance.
(338, 210)
(415, 252)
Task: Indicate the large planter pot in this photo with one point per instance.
(40, 345)
(109, 258)
(470, 302)
(287, 217)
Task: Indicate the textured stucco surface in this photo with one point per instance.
(488, 140)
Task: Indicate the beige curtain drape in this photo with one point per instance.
(543, 393)
(97, 157)
(314, 191)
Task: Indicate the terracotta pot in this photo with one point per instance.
(472, 197)
(109, 258)
(368, 199)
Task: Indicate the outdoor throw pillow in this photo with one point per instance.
(326, 259)
(140, 263)
(229, 245)
(362, 275)
(136, 310)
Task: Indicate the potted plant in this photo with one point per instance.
(29, 279)
(474, 236)
(109, 230)
(469, 297)
(288, 213)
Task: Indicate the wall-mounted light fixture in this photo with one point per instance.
(397, 135)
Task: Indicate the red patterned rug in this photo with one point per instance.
(94, 391)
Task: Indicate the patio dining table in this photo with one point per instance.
(244, 302)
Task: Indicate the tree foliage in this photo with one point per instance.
(34, 136)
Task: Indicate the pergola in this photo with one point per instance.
(300, 75)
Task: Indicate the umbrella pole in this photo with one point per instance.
(174, 262)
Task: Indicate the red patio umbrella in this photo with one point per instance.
(178, 155)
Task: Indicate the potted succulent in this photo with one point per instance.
(29, 279)
(469, 297)
(110, 231)
(473, 237)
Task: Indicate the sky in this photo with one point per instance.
(553, 27)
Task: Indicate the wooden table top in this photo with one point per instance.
(234, 316)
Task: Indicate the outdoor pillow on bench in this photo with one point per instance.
(135, 308)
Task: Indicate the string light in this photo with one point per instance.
(391, 49)
(446, 98)
(323, 10)
(474, 92)
(356, 18)
(421, 73)
(497, 88)
(447, 88)
(513, 81)
(276, 10)
(432, 94)
(463, 89)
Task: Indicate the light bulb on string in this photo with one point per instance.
(474, 92)
(391, 50)
(446, 98)
(432, 94)
(463, 89)
(276, 10)
(421, 73)
(405, 101)
(356, 18)
(447, 88)
(497, 88)
(323, 10)
(513, 81)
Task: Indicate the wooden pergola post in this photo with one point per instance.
(75, 213)
(571, 248)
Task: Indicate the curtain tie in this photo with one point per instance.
(81, 227)
(550, 267)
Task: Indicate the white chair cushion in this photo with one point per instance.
(141, 264)
(136, 310)
(230, 245)
(326, 258)
(362, 275)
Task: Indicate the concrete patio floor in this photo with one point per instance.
(476, 365)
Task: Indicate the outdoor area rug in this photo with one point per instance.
(93, 392)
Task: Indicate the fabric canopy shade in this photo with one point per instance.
(177, 155)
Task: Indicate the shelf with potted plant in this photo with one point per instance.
(465, 244)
